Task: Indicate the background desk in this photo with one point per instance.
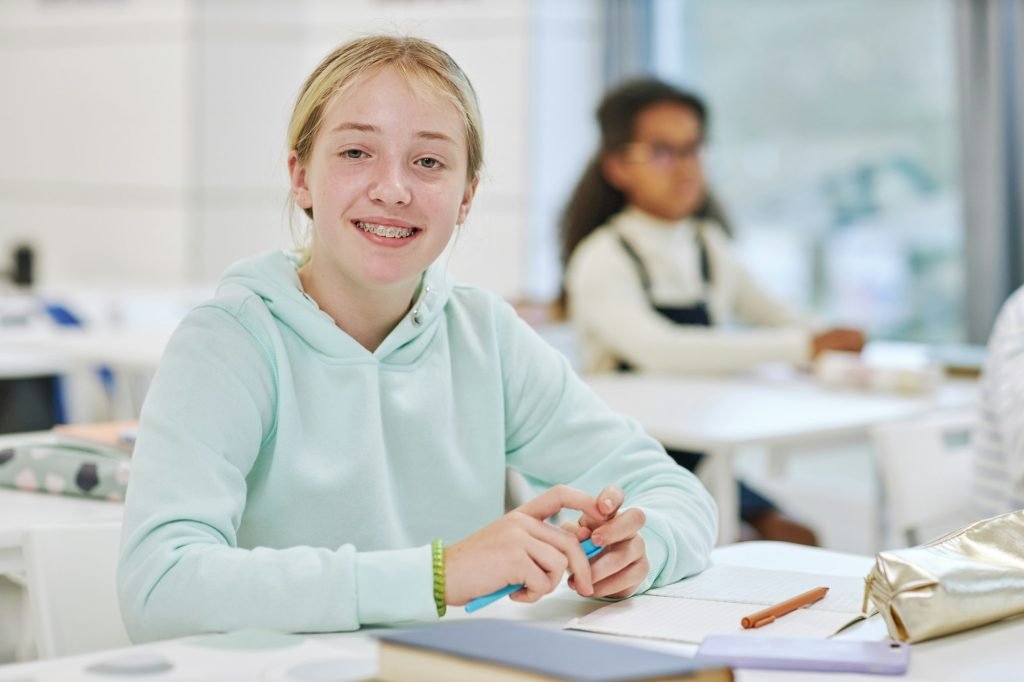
(18, 512)
(718, 415)
(130, 354)
(22, 510)
(991, 653)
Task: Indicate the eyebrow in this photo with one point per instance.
(367, 128)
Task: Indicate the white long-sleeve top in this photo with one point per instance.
(615, 320)
(999, 440)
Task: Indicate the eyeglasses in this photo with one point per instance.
(662, 154)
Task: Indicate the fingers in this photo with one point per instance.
(561, 497)
(535, 584)
(581, 532)
(626, 524)
(623, 583)
(618, 571)
(552, 564)
(840, 338)
(569, 546)
(608, 502)
(602, 520)
(610, 499)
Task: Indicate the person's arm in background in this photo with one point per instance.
(558, 431)
(753, 304)
(607, 300)
(999, 446)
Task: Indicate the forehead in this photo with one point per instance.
(393, 102)
(667, 121)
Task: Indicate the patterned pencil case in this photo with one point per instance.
(60, 465)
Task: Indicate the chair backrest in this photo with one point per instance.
(926, 470)
(70, 574)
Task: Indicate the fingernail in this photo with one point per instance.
(598, 540)
(608, 504)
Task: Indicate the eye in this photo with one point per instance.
(430, 163)
(353, 154)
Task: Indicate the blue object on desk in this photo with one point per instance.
(588, 548)
(64, 317)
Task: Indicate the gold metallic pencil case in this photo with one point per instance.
(967, 578)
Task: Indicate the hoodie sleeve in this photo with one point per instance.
(558, 431)
(208, 415)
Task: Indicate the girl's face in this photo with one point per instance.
(386, 180)
(660, 171)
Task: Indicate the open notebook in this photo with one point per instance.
(714, 602)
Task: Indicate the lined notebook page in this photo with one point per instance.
(724, 582)
(715, 601)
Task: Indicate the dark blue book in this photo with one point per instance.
(508, 651)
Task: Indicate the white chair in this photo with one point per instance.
(70, 573)
(926, 470)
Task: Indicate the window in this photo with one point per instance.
(834, 147)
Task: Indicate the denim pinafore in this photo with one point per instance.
(752, 503)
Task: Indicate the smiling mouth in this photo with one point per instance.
(388, 231)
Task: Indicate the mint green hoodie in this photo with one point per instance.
(285, 477)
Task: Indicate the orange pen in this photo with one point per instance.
(768, 615)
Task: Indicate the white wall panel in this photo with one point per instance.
(175, 111)
(135, 246)
(231, 232)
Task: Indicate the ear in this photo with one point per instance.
(300, 190)
(467, 200)
(615, 171)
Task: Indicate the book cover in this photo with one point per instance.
(510, 651)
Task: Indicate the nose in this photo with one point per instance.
(389, 185)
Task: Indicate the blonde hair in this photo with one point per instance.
(419, 61)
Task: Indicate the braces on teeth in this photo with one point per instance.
(385, 231)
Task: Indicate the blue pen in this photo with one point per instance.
(588, 548)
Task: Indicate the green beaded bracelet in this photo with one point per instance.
(437, 551)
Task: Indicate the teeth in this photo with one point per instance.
(385, 230)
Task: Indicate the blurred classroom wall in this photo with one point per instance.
(868, 152)
(145, 139)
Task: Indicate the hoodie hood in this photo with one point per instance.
(274, 278)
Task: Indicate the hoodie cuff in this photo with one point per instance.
(657, 557)
(395, 586)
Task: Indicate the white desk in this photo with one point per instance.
(991, 653)
(18, 363)
(128, 347)
(21, 510)
(718, 415)
(132, 354)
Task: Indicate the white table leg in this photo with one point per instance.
(25, 647)
(717, 473)
(776, 462)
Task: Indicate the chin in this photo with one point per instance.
(688, 209)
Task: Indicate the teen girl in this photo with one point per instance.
(325, 443)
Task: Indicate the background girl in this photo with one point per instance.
(651, 280)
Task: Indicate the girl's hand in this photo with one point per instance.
(622, 566)
(521, 548)
(840, 338)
